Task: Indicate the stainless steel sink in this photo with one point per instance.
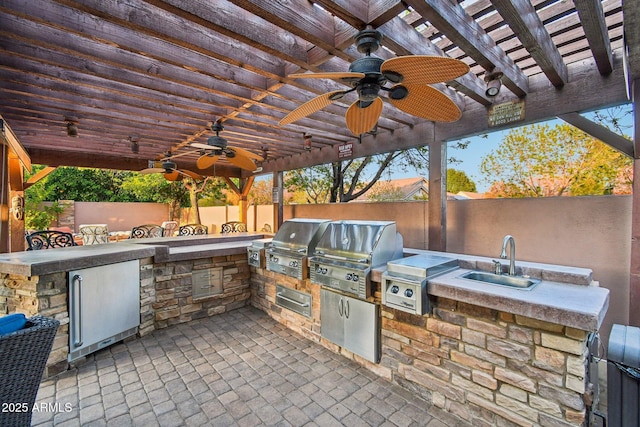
(502, 279)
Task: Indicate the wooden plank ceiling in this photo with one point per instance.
(160, 71)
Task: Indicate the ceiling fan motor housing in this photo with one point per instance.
(369, 86)
(169, 166)
(217, 142)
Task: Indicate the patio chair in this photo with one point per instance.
(147, 230)
(266, 228)
(23, 356)
(170, 228)
(192, 230)
(49, 239)
(94, 234)
(233, 227)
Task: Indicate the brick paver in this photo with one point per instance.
(237, 369)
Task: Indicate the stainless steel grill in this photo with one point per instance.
(348, 250)
(404, 284)
(256, 252)
(291, 245)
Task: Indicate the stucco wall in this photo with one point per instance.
(591, 232)
(120, 216)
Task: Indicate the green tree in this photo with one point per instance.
(458, 181)
(86, 185)
(541, 161)
(38, 213)
(154, 188)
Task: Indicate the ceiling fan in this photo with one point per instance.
(217, 146)
(410, 77)
(170, 170)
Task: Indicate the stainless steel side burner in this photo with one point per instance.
(256, 252)
(404, 284)
(291, 245)
(348, 250)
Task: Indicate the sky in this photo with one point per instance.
(480, 146)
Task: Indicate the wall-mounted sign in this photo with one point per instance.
(507, 112)
(345, 150)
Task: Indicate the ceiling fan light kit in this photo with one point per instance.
(410, 77)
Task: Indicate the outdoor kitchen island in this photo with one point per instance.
(166, 281)
(485, 353)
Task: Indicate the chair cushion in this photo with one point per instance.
(12, 323)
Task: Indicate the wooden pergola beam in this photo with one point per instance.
(526, 24)
(595, 29)
(465, 32)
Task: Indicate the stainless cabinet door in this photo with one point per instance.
(362, 328)
(331, 316)
(104, 301)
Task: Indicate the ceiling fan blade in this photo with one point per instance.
(241, 161)
(423, 69)
(426, 102)
(247, 153)
(151, 170)
(335, 76)
(362, 120)
(309, 107)
(191, 175)
(173, 176)
(205, 161)
(203, 146)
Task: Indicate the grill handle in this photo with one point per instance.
(279, 295)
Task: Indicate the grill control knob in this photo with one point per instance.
(408, 293)
(324, 270)
(318, 269)
(348, 276)
(354, 277)
(275, 259)
(293, 264)
(394, 289)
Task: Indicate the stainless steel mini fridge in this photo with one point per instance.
(104, 306)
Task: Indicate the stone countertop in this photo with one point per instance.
(36, 263)
(566, 295)
(163, 249)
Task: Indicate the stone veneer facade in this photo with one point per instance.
(165, 297)
(484, 366)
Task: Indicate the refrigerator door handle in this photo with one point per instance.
(76, 298)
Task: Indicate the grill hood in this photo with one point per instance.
(299, 235)
(363, 242)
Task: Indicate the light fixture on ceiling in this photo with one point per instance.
(307, 141)
(494, 82)
(135, 147)
(72, 125)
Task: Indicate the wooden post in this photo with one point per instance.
(634, 278)
(437, 196)
(243, 192)
(276, 198)
(5, 239)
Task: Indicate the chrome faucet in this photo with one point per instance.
(512, 253)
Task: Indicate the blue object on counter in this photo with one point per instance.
(12, 323)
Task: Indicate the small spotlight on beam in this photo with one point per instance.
(494, 82)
